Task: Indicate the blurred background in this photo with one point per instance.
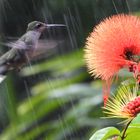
(54, 98)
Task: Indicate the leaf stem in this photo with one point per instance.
(124, 132)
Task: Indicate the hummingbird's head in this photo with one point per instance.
(40, 26)
(36, 26)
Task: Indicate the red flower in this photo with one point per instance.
(111, 46)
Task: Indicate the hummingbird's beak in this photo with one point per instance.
(54, 25)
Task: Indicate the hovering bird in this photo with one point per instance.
(23, 49)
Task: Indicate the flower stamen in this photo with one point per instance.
(126, 104)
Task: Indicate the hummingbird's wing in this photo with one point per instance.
(17, 44)
(13, 43)
(46, 47)
(23, 43)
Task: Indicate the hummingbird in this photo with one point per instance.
(23, 49)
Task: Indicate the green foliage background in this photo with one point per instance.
(55, 98)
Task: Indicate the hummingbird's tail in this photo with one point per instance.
(2, 77)
(3, 72)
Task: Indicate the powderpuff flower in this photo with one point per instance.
(111, 47)
(126, 104)
(112, 44)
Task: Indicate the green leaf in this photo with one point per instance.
(57, 83)
(133, 132)
(59, 65)
(105, 133)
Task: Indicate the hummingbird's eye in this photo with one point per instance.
(38, 25)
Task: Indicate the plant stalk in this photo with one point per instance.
(124, 132)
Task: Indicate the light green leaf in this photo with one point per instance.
(105, 133)
(133, 132)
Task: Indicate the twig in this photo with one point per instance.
(124, 132)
